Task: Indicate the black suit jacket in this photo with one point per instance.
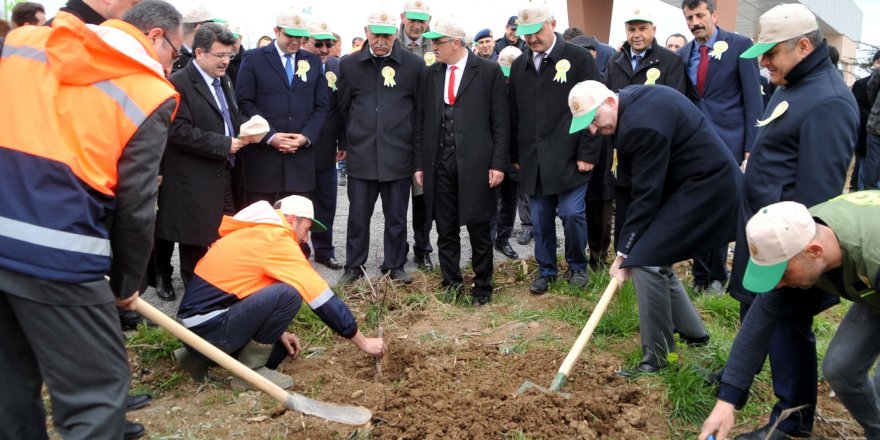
(194, 166)
(482, 134)
(860, 91)
(327, 143)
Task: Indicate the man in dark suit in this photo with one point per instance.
(379, 102)
(727, 89)
(463, 152)
(328, 149)
(677, 166)
(197, 186)
(554, 165)
(286, 86)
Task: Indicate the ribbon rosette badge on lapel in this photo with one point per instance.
(652, 75)
(331, 80)
(430, 58)
(562, 67)
(302, 68)
(388, 74)
(717, 49)
(777, 112)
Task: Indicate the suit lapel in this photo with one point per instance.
(439, 79)
(202, 87)
(272, 58)
(714, 64)
(468, 75)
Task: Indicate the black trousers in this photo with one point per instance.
(599, 229)
(505, 214)
(324, 200)
(362, 195)
(421, 226)
(711, 267)
(449, 230)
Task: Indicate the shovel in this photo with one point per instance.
(347, 414)
(575, 352)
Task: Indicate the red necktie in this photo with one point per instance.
(450, 93)
(703, 69)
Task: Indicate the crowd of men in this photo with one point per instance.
(665, 151)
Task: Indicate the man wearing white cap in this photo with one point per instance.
(250, 285)
(802, 152)
(378, 99)
(462, 152)
(677, 165)
(286, 86)
(554, 164)
(193, 18)
(834, 247)
(414, 21)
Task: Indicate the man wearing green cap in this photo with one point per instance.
(677, 165)
(801, 153)
(834, 246)
(555, 165)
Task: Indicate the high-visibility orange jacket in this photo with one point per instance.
(257, 248)
(74, 96)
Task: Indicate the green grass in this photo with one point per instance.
(152, 343)
(310, 329)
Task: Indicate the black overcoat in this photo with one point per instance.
(328, 141)
(481, 118)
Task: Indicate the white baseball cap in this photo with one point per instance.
(775, 234)
(446, 27)
(321, 31)
(300, 207)
(197, 13)
(779, 24)
(506, 57)
(417, 10)
(292, 23)
(639, 13)
(530, 18)
(583, 101)
(383, 22)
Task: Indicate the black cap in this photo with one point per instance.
(584, 41)
(512, 22)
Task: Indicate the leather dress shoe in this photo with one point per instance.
(763, 434)
(136, 401)
(401, 275)
(349, 276)
(164, 288)
(330, 263)
(133, 430)
(525, 237)
(129, 319)
(482, 300)
(540, 285)
(578, 278)
(423, 261)
(508, 251)
(642, 368)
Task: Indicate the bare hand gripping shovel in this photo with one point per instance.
(575, 352)
(347, 414)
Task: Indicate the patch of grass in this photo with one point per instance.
(622, 316)
(516, 435)
(310, 329)
(152, 343)
(721, 310)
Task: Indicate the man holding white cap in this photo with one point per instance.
(554, 164)
(834, 246)
(462, 152)
(250, 285)
(378, 98)
(801, 153)
(663, 142)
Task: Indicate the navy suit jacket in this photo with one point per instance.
(300, 107)
(732, 95)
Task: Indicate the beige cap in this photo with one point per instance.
(781, 23)
(639, 13)
(446, 27)
(321, 31)
(300, 207)
(417, 10)
(530, 18)
(234, 28)
(197, 13)
(506, 57)
(583, 101)
(776, 234)
(292, 22)
(382, 21)
(255, 126)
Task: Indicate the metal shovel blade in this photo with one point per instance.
(347, 414)
(528, 385)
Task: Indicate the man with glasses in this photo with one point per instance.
(197, 186)
(286, 86)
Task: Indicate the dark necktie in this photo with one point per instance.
(703, 68)
(288, 68)
(224, 109)
(635, 61)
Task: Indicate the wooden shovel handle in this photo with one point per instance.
(591, 325)
(215, 354)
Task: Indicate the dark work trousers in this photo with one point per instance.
(324, 200)
(793, 369)
(189, 257)
(421, 227)
(449, 229)
(262, 317)
(524, 209)
(77, 351)
(598, 230)
(505, 214)
(362, 195)
(254, 197)
(711, 267)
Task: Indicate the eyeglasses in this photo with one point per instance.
(319, 44)
(223, 55)
(174, 51)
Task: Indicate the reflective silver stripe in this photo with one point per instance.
(128, 106)
(51, 238)
(321, 299)
(25, 52)
(193, 321)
